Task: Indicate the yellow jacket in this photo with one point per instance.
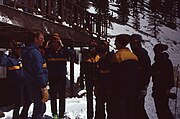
(124, 54)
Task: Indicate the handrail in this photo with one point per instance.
(65, 11)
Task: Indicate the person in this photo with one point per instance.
(144, 74)
(163, 81)
(13, 62)
(36, 75)
(57, 55)
(124, 79)
(88, 71)
(102, 81)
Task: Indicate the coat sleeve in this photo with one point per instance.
(4, 60)
(68, 52)
(38, 69)
(170, 74)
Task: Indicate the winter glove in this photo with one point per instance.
(143, 93)
(45, 94)
(6, 52)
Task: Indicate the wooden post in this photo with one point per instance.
(72, 70)
(61, 7)
(43, 7)
(49, 7)
(1, 2)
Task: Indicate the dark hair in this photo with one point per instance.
(136, 38)
(102, 46)
(123, 39)
(31, 35)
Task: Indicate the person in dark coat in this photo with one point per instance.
(57, 55)
(36, 75)
(144, 70)
(124, 79)
(15, 72)
(89, 71)
(102, 81)
(163, 81)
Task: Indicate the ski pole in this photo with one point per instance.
(177, 81)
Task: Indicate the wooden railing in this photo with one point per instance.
(66, 11)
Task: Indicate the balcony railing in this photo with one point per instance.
(64, 11)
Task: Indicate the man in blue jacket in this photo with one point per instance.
(36, 74)
(15, 73)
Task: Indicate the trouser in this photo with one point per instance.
(19, 98)
(89, 88)
(100, 104)
(101, 93)
(58, 86)
(125, 108)
(33, 95)
(140, 112)
(162, 107)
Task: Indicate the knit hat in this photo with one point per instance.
(160, 48)
(136, 38)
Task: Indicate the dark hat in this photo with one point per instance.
(123, 39)
(160, 48)
(136, 38)
(15, 44)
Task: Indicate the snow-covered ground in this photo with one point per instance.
(76, 107)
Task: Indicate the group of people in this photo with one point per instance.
(32, 67)
(119, 79)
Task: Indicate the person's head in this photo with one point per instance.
(159, 51)
(135, 42)
(122, 41)
(93, 47)
(55, 43)
(102, 47)
(16, 47)
(160, 48)
(35, 36)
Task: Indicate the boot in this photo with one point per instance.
(2, 114)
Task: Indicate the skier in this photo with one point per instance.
(102, 91)
(13, 62)
(124, 79)
(36, 75)
(89, 73)
(163, 81)
(57, 55)
(144, 70)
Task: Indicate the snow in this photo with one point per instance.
(76, 107)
